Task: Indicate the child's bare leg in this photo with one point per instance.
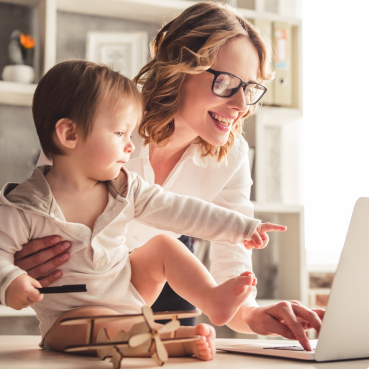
(164, 258)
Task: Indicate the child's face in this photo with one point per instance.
(109, 144)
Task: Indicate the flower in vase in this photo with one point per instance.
(21, 48)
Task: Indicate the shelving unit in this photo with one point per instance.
(14, 93)
(286, 249)
(270, 127)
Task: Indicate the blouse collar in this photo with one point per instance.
(193, 152)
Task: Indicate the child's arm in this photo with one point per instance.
(191, 216)
(13, 233)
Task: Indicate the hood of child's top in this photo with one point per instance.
(34, 194)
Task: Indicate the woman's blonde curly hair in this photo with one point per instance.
(189, 44)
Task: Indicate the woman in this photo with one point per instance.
(206, 74)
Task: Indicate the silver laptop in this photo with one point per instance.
(345, 330)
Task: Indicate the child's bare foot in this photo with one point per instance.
(204, 348)
(224, 300)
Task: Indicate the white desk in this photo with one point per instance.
(23, 352)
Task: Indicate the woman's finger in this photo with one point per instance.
(309, 316)
(284, 312)
(41, 271)
(34, 260)
(320, 312)
(51, 278)
(37, 245)
(270, 325)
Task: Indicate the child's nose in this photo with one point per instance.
(130, 147)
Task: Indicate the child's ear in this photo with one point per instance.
(66, 131)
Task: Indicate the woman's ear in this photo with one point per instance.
(66, 132)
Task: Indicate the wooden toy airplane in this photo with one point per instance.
(139, 340)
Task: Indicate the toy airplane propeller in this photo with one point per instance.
(153, 335)
(142, 337)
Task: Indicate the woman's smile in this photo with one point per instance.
(221, 122)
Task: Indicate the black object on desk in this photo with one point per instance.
(64, 289)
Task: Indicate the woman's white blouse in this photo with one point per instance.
(227, 184)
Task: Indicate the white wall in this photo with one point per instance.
(336, 120)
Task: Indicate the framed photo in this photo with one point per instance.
(124, 52)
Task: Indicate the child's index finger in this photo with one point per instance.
(270, 227)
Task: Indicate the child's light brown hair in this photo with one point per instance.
(189, 44)
(73, 90)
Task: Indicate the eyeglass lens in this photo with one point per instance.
(226, 85)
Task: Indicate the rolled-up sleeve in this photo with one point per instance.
(13, 234)
(191, 216)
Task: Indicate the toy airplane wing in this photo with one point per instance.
(95, 346)
(133, 318)
(180, 339)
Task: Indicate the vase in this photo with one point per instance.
(18, 73)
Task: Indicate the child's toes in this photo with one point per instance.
(249, 278)
(202, 346)
(202, 330)
(205, 355)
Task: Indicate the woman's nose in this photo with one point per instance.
(238, 101)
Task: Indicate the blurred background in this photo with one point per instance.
(308, 139)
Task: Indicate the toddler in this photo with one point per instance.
(84, 114)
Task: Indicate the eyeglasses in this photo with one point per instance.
(227, 84)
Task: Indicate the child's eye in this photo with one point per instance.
(119, 134)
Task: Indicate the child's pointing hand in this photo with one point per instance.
(260, 237)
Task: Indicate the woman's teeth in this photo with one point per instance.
(225, 122)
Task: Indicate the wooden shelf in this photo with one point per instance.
(14, 93)
(139, 10)
(151, 11)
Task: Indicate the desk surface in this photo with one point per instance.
(23, 352)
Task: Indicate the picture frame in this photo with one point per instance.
(124, 52)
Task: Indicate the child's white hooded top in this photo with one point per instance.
(99, 258)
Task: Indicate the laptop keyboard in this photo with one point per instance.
(288, 348)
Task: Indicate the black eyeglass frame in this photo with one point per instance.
(243, 84)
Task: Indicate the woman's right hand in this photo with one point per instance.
(41, 256)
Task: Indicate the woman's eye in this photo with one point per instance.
(119, 134)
